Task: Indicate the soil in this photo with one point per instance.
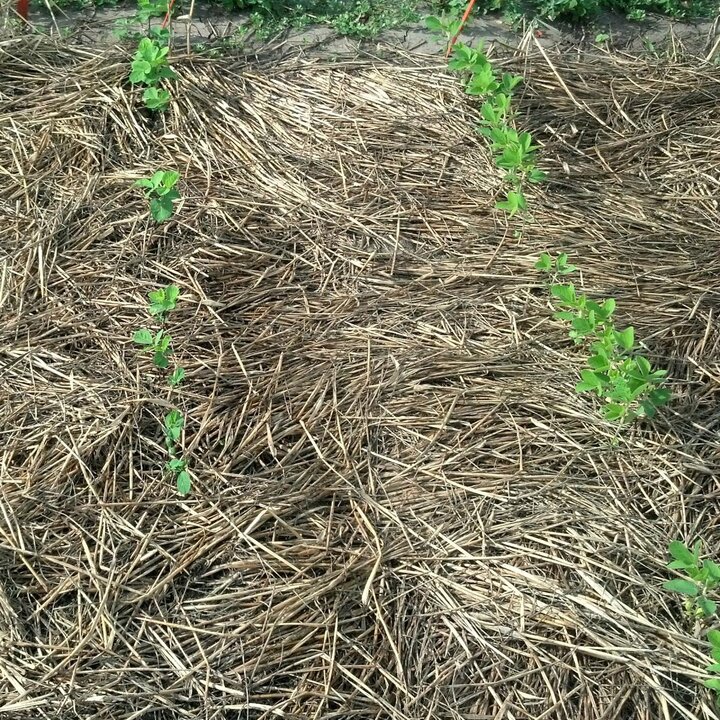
(655, 35)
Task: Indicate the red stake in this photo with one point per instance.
(169, 13)
(465, 16)
(23, 8)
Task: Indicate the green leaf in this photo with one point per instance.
(183, 482)
(537, 176)
(172, 292)
(156, 98)
(613, 411)
(714, 668)
(177, 377)
(143, 337)
(434, 25)
(713, 684)
(713, 637)
(659, 397)
(684, 587)
(160, 209)
(176, 465)
(626, 338)
(681, 553)
(648, 409)
(598, 362)
(564, 293)
(545, 263)
(713, 570)
(707, 606)
(160, 360)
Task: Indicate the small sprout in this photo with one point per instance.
(150, 64)
(158, 344)
(163, 300)
(160, 190)
(601, 38)
(177, 377)
(156, 98)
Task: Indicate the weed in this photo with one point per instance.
(616, 373)
(161, 192)
(601, 38)
(700, 579)
(149, 67)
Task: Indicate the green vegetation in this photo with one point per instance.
(699, 579)
(173, 425)
(161, 192)
(367, 18)
(513, 151)
(616, 373)
(162, 302)
(149, 67)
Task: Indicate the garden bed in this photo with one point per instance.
(400, 506)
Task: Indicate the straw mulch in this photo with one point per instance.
(401, 509)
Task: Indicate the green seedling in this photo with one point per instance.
(177, 466)
(714, 683)
(616, 373)
(162, 301)
(559, 265)
(158, 344)
(160, 190)
(700, 578)
(513, 152)
(156, 98)
(177, 376)
(149, 67)
(150, 64)
(445, 26)
(173, 427)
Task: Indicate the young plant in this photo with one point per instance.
(714, 682)
(149, 67)
(162, 301)
(176, 466)
(700, 578)
(514, 152)
(160, 191)
(616, 373)
(158, 344)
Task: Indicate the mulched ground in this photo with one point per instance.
(401, 509)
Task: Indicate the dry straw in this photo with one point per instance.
(400, 507)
